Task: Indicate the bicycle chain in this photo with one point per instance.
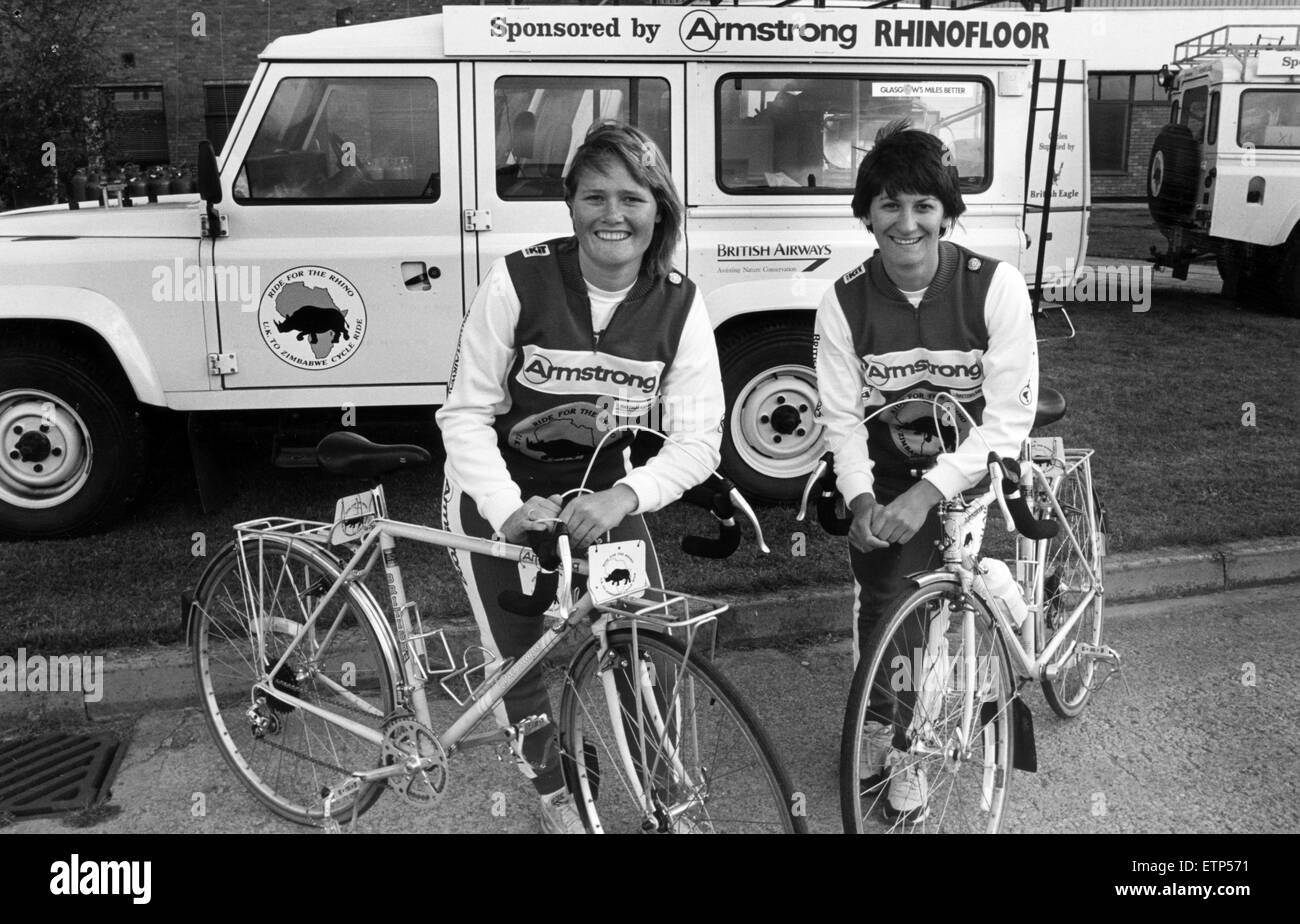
(340, 704)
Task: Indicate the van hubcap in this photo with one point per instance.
(44, 450)
(772, 424)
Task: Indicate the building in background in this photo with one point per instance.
(180, 75)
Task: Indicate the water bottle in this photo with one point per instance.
(997, 578)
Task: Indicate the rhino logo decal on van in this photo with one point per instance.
(312, 317)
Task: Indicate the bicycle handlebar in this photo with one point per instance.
(720, 497)
(555, 559)
(1006, 477)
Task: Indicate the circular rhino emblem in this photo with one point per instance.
(312, 317)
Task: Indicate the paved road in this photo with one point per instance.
(1200, 734)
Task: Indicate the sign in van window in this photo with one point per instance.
(541, 121)
(331, 139)
(791, 134)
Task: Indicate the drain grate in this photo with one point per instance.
(57, 773)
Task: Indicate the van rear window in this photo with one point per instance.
(541, 121)
(793, 134)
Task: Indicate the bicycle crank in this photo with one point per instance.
(408, 742)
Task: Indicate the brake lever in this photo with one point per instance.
(808, 486)
(738, 500)
(996, 477)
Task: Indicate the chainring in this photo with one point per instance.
(405, 737)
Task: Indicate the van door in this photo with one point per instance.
(1063, 248)
(530, 119)
(343, 253)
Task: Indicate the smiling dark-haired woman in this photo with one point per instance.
(563, 338)
(921, 317)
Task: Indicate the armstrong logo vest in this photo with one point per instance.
(918, 352)
(562, 379)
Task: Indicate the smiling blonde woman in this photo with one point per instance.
(560, 334)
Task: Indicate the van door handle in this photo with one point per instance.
(416, 275)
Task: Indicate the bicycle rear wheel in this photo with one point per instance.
(935, 644)
(251, 604)
(1068, 577)
(682, 755)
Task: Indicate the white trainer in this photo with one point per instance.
(559, 815)
(877, 742)
(908, 801)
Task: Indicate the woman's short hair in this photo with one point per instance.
(618, 143)
(907, 160)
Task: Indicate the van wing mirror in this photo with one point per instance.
(209, 178)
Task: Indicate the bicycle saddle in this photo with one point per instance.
(1051, 407)
(343, 453)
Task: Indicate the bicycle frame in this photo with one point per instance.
(1029, 660)
(405, 647)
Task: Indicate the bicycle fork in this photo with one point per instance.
(658, 816)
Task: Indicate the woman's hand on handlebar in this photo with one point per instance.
(876, 526)
(533, 516)
(861, 537)
(592, 515)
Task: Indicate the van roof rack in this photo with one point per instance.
(1240, 42)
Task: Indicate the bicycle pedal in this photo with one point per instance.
(525, 727)
(1100, 653)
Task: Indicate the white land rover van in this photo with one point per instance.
(374, 173)
(1224, 175)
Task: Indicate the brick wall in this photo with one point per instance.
(167, 51)
(1145, 122)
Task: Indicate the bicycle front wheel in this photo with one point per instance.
(928, 732)
(252, 607)
(656, 741)
(1070, 573)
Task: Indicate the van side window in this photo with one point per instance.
(795, 134)
(541, 121)
(1269, 119)
(355, 138)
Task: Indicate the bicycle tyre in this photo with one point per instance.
(1065, 582)
(289, 766)
(733, 781)
(965, 795)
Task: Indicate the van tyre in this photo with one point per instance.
(72, 442)
(1287, 293)
(770, 441)
(1248, 274)
(1171, 176)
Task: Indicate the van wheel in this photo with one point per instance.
(1245, 280)
(1171, 176)
(770, 441)
(72, 443)
(1288, 290)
